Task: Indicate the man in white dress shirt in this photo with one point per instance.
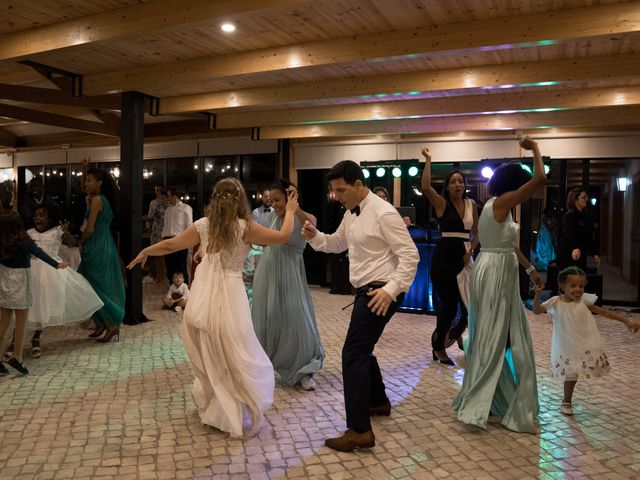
(177, 218)
(382, 263)
(261, 213)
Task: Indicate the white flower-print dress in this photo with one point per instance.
(576, 344)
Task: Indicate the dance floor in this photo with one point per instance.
(124, 411)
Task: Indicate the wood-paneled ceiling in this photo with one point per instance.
(323, 68)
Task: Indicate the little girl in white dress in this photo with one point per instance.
(577, 348)
(60, 297)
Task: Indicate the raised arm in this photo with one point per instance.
(537, 307)
(68, 239)
(256, 233)
(505, 202)
(438, 202)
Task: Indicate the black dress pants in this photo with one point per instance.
(177, 262)
(449, 325)
(362, 380)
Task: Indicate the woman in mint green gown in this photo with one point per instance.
(100, 262)
(500, 375)
(282, 311)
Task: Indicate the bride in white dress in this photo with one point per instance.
(234, 379)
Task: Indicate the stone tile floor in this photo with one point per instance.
(123, 411)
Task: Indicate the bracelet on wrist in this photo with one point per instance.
(530, 269)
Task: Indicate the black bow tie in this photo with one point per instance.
(268, 209)
(355, 210)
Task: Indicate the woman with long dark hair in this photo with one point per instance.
(500, 371)
(100, 260)
(458, 220)
(576, 233)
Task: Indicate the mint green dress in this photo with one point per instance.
(100, 265)
(283, 315)
(500, 373)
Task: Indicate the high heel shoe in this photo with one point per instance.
(15, 363)
(97, 332)
(444, 361)
(35, 347)
(109, 335)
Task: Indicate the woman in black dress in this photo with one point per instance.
(458, 221)
(576, 233)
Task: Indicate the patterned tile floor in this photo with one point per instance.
(123, 411)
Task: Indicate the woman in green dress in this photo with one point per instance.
(283, 314)
(100, 260)
(500, 374)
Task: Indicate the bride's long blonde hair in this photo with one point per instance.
(228, 204)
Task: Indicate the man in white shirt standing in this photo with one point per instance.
(177, 218)
(261, 213)
(382, 263)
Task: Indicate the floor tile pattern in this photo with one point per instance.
(123, 411)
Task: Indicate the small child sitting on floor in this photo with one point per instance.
(178, 294)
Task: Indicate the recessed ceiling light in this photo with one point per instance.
(228, 27)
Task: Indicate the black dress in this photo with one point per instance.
(576, 231)
(446, 263)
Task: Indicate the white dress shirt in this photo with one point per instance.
(177, 218)
(380, 248)
(260, 215)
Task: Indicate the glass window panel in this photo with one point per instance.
(183, 177)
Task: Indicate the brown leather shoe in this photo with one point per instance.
(351, 440)
(384, 410)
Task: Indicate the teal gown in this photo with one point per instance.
(282, 311)
(100, 265)
(500, 372)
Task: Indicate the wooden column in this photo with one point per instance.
(131, 150)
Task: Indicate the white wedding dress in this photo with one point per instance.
(234, 378)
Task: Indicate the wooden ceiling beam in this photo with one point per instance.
(587, 117)
(125, 22)
(530, 74)
(57, 97)
(492, 34)
(565, 98)
(45, 118)
(8, 139)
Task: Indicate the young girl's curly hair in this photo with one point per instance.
(228, 204)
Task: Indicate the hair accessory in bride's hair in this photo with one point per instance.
(226, 195)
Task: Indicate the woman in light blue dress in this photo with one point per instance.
(283, 315)
(500, 374)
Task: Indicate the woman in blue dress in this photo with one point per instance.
(283, 315)
(100, 260)
(500, 373)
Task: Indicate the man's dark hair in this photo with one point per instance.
(348, 170)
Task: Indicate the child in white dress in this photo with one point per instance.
(576, 345)
(61, 296)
